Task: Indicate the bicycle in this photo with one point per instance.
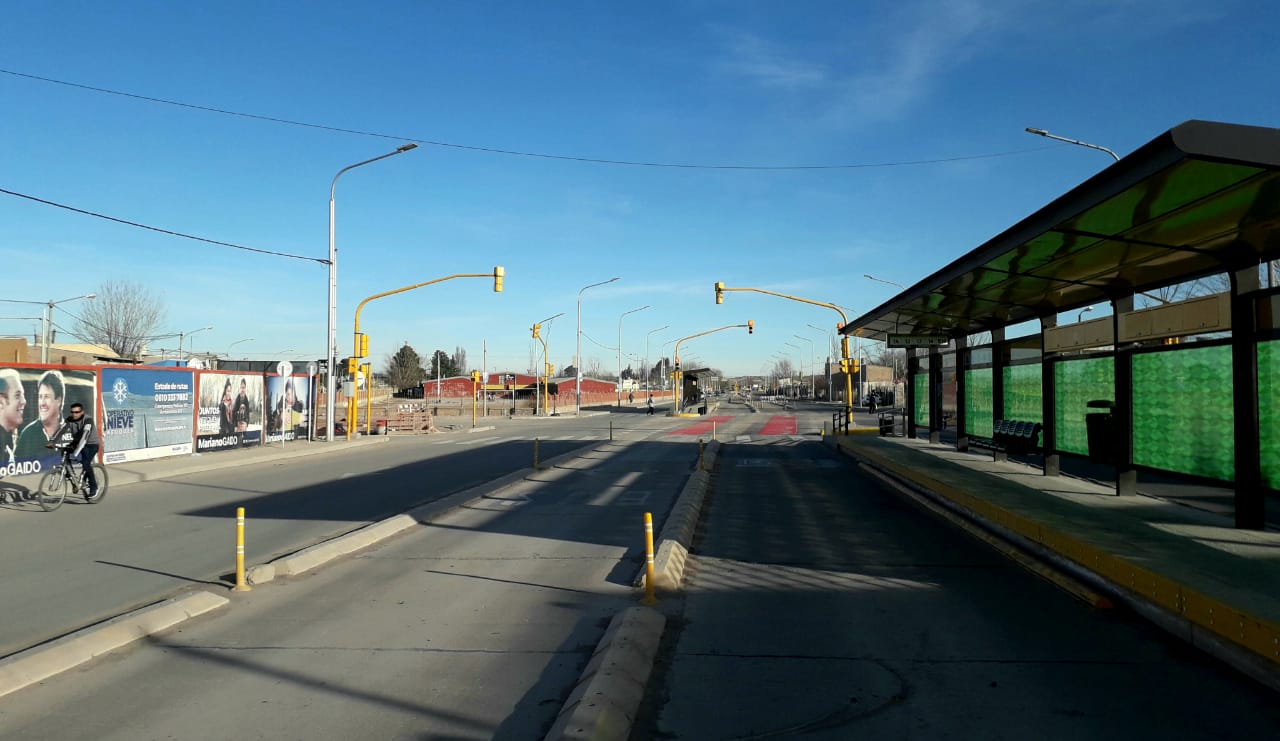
(66, 478)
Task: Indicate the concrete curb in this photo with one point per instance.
(676, 537)
(604, 703)
(41, 662)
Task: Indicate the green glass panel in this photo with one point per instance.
(1269, 411)
(1077, 382)
(1023, 393)
(1182, 412)
(978, 400)
(921, 381)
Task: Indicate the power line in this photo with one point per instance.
(510, 152)
(322, 261)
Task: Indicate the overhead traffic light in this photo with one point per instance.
(751, 327)
(537, 328)
(498, 274)
(719, 292)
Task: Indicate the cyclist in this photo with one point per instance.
(83, 444)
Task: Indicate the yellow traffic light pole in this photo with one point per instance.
(362, 340)
(546, 362)
(845, 363)
(678, 374)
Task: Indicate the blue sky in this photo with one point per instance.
(924, 103)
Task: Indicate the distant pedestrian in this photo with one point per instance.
(631, 397)
(650, 404)
(871, 403)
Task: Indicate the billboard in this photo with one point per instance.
(230, 414)
(147, 413)
(34, 402)
(288, 411)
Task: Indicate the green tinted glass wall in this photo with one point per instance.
(1182, 412)
(1023, 393)
(1269, 410)
(978, 396)
(1079, 381)
(921, 381)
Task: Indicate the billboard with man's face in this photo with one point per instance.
(230, 411)
(34, 403)
(288, 412)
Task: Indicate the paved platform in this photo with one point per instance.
(1186, 568)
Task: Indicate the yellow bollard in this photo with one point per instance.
(713, 429)
(241, 584)
(649, 599)
(536, 467)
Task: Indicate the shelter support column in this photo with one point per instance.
(963, 356)
(1126, 474)
(1250, 503)
(913, 367)
(998, 362)
(935, 395)
(1048, 402)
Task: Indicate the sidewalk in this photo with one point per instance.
(1187, 569)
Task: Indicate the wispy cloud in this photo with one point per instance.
(883, 65)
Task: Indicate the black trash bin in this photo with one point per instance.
(1101, 429)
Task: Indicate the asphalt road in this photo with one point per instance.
(821, 604)
(146, 541)
(473, 626)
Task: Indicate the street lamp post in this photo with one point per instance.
(645, 362)
(237, 342)
(812, 365)
(331, 354)
(184, 335)
(577, 359)
(619, 387)
(46, 318)
(1078, 143)
(1086, 310)
(800, 356)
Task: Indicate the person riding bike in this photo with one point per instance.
(82, 442)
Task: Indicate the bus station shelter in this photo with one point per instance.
(1188, 388)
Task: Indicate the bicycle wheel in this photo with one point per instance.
(53, 489)
(99, 473)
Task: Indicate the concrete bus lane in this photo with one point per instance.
(820, 603)
(475, 624)
(146, 541)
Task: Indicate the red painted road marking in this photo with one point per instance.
(701, 428)
(783, 424)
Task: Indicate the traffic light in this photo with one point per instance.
(719, 292)
(536, 329)
(353, 364)
(550, 369)
(844, 365)
(475, 376)
(362, 345)
(857, 367)
(751, 327)
(498, 274)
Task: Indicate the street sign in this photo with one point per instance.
(917, 340)
(311, 368)
(284, 368)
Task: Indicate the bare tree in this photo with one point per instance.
(459, 358)
(123, 318)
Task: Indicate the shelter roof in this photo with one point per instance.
(1199, 199)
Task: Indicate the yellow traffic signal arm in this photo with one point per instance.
(361, 342)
